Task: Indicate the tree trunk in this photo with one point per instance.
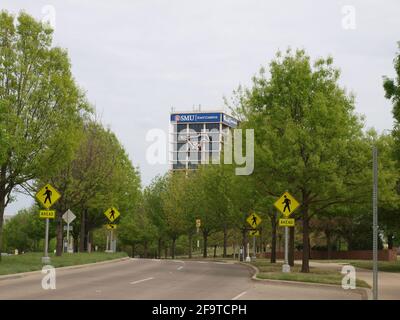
(390, 241)
(145, 249)
(173, 248)
(165, 250)
(305, 266)
(190, 245)
(132, 251)
(205, 237)
(328, 244)
(291, 246)
(244, 242)
(59, 232)
(273, 240)
(82, 235)
(159, 249)
(225, 241)
(2, 206)
(215, 251)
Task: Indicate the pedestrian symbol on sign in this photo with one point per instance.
(48, 194)
(286, 202)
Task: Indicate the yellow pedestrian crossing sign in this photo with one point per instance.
(111, 226)
(112, 214)
(47, 214)
(254, 220)
(47, 196)
(254, 232)
(286, 204)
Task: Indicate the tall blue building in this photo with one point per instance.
(197, 137)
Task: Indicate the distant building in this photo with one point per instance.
(197, 137)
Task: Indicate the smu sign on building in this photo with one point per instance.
(204, 118)
(197, 137)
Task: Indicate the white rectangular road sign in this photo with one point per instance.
(70, 228)
(68, 216)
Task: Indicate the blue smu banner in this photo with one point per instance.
(196, 117)
(230, 121)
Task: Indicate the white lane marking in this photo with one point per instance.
(179, 261)
(202, 262)
(221, 263)
(239, 295)
(180, 268)
(138, 281)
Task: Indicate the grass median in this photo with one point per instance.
(273, 271)
(386, 266)
(32, 261)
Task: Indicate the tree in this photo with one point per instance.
(174, 208)
(39, 104)
(309, 139)
(153, 206)
(392, 92)
(25, 230)
(99, 176)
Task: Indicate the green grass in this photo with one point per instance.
(386, 266)
(325, 276)
(32, 261)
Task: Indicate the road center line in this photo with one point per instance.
(202, 262)
(180, 268)
(239, 295)
(138, 281)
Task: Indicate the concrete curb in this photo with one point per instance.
(79, 266)
(365, 293)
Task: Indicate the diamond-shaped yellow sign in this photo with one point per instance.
(112, 214)
(286, 204)
(47, 196)
(254, 232)
(254, 220)
(111, 226)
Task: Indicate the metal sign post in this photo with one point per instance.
(286, 204)
(46, 258)
(254, 248)
(47, 196)
(286, 266)
(68, 217)
(248, 253)
(375, 222)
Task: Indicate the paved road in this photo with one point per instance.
(161, 279)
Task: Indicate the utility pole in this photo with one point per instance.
(375, 221)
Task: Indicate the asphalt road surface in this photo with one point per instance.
(164, 280)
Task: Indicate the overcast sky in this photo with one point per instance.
(136, 59)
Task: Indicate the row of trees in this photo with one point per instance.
(309, 141)
(48, 135)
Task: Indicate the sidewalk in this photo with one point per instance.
(388, 282)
